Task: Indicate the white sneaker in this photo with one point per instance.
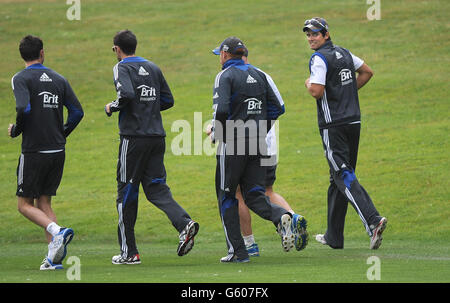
(321, 239)
(135, 259)
(234, 259)
(187, 238)
(375, 240)
(57, 247)
(285, 231)
(48, 265)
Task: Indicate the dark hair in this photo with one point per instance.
(127, 41)
(324, 32)
(245, 52)
(30, 48)
(238, 54)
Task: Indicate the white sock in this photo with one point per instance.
(291, 212)
(53, 228)
(249, 240)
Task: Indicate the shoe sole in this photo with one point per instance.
(67, 238)
(126, 263)
(188, 243)
(235, 260)
(287, 237)
(253, 251)
(52, 266)
(302, 240)
(375, 244)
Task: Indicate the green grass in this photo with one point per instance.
(403, 161)
(400, 262)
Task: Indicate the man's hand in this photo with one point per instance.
(209, 129)
(108, 109)
(10, 129)
(307, 83)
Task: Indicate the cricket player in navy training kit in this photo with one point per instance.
(334, 85)
(40, 95)
(244, 107)
(142, 93)
(244, 213)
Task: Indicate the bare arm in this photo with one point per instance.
(315, 90)
(364, 75)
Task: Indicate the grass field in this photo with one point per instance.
(403, 161)
(401, 261)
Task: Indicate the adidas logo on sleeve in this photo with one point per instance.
(45, 78)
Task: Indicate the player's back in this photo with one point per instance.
(245, 103)
(40, 95)
(249, 98)
(142, 83)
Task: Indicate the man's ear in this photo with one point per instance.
(41, 55)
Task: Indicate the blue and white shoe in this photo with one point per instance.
(299, 225)
(57, 249)
(285, 231)
(253, 250)
(48, 265)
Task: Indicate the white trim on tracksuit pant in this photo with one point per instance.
(122, 231)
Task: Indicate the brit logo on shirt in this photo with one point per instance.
(147, 93)
(346, 76)
(253, 106)
(49, 100)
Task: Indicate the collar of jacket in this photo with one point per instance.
(133, 59)
(327, 44)
(36, 66)
(233, 62)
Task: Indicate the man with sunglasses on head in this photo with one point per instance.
(334, 85)
(142, 93)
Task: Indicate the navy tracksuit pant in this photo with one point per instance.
(341, 150)
(245, 170)
(141, 160)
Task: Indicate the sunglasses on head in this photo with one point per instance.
(315, 23)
